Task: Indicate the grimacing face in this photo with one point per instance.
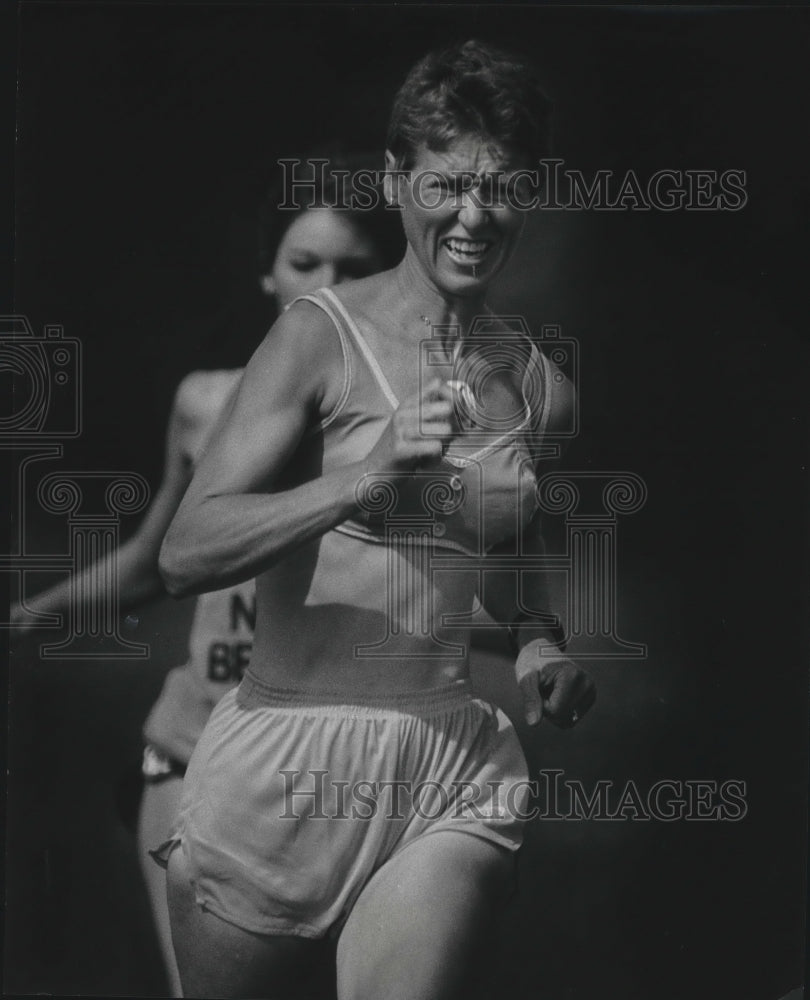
(461, 223)
(321, 247)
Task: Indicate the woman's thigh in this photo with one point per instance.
(417, 929)
(217, 959)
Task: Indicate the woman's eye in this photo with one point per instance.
(303, 266)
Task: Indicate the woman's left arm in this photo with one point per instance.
(553, 686)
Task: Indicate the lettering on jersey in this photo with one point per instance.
(242, 612)
(227, 661)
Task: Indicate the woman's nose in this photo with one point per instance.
(473, 215)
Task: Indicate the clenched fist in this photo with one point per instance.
(553, 687)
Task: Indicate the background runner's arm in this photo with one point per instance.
(137, 559)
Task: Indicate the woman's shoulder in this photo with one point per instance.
(364, 296)
(299, 363)
(202, 395)
(308, 323)
(301, 342)
(305, 322)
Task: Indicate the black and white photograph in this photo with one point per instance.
(406, 424)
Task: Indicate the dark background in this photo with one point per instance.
(145, 136)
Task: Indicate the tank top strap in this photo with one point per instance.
(316, 300)
(362, 346)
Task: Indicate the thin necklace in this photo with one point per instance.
(428, 322)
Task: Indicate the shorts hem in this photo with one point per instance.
(289, 928)
(511, 844)
(267, 928)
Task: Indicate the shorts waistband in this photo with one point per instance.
(428, 701)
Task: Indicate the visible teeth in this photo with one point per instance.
(467, 246)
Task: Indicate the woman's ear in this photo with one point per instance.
(268, 284)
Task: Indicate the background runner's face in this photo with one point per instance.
(321, 247)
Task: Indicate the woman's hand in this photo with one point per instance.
(553, 687)
(416, 434)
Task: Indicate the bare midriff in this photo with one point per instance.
(350, 616)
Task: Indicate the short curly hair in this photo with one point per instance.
(470, 88)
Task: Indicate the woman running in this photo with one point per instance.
(379, 450)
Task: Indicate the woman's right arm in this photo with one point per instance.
(231, 525)
(136, 561)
